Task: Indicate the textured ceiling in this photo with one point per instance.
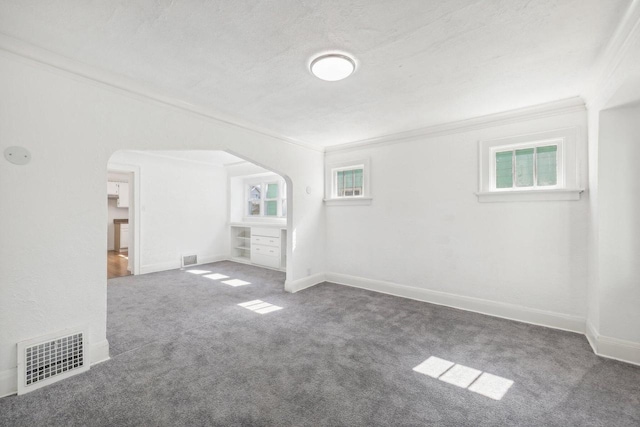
(420, 62)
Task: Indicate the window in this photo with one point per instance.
(255, 198)
(539, 166)
(348, 182)
(266, 198)
(523, 168)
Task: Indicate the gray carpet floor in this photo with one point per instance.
(183, 353)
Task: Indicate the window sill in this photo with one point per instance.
(529, 195)
(349, 201)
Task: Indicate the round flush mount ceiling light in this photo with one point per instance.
(333, 67)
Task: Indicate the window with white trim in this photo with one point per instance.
(347, 182)
(540, 166)
(527, 166)
(266, 197)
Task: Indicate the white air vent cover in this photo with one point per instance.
(188, 260)
(47, 359)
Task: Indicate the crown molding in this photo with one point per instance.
(123, 85)
(555, 108)
(44, 58)
(601, 84)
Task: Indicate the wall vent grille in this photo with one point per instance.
(49, 360)
(188, 260)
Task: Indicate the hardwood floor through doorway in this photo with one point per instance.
(117, 264)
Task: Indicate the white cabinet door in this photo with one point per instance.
(123, 195)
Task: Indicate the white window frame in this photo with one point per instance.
(334, 180)
(535, 187)
(566, 187)
(331, 185)
(263, 182)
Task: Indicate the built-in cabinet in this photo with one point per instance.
(119, 190)
(259, 245)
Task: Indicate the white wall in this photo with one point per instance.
(426, 230)
(182, 212)
(72, 125)
(619, 223)
(613, 322)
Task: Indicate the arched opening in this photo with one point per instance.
(190, 207)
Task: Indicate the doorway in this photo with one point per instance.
(118, 235)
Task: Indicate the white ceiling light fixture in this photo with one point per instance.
(333, 67)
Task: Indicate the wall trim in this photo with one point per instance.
(99, 352)
(38, 56)
(42, 57)
(549, 109)
(294, 286)
(173, 265)
(508, 311)
(8, 382)
(613, 348)
(600, 86)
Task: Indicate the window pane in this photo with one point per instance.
(358, 182)
(547, 161)
(272, 191)
(348, 180)
(254, 192)
(254, 207)
(524, 167)
(504, 169)
(271, 208)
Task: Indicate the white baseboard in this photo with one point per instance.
(8, 382)
(99, 352)
(613, 348)
(213, 258)
(294, 286)
(492, 308)
(173, 265)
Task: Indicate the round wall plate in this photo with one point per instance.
(17, 155)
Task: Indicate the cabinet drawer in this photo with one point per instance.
(265, 250)
(266, 260)
(265, 240)
(266, 232)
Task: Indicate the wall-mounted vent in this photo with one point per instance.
(188, 260)
(44, 360)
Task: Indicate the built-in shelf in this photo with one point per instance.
(241, 243)
(259, 244)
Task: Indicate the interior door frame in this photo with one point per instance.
(135, 225)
